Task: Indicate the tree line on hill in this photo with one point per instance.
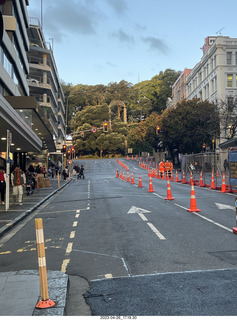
(183, 128)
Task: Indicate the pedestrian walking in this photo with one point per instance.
(65, 173)
(18, 180)
(82, 172)
(44, 171)
(3, 178)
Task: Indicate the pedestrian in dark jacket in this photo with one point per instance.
(3, 178)
(82, 172)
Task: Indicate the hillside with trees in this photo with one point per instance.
(183, 128)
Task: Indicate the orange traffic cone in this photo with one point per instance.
(201, 184)
(140, 181)
(184, 181)
(212, 182)
(121, 177)
(132, 179)
(171, 178)
(124, 176)
(128, 179)
(151, 186)
(223, 186)
(169, 195)
(176, 177)
(193, 204)
(191, 177)
(117, 175)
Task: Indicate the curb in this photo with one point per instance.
(23, 215)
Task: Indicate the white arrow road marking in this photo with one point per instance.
(134, 209)
(157, 232)
(142, 216)
(224, 206)
(141, 212)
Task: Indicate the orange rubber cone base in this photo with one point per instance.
(235, 230)
(45, 304)
(169, 198)
(194, 210)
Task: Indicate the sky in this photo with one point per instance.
(103, 41)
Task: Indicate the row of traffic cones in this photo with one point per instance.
(193, 204)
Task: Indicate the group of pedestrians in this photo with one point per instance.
(18, 180)
(78, 171)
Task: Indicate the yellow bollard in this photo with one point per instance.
(58, 177)
(45, 302)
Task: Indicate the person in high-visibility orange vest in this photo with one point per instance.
(167, 168)
(162, 168)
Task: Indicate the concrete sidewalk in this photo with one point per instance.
(20, 290)
(16, 213)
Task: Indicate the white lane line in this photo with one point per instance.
(74, 224)
(157, 232)
(178, 205)
(156, 194)
(216, 223)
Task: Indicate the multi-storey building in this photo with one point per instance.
(214, 78)
(179, 87)
(14, 68)
(44, 84)
(31, 97)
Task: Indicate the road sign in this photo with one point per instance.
(93, 129)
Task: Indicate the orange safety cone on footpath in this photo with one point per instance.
(124, 176)
(201, 184)
(117, 175)
(140, 181)
(128, 178)
(223, 186)
(151, 186)
(169, 195)
(132, 179)
(193, 204)
(213, 187)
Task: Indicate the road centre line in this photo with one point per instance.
(75, 224)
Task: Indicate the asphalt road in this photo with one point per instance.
(140, 253)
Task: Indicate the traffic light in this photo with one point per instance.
(158, 129)
(105, 126)
(73, 150)
(204, 147)
(64, 149)
(69, 153)
(82, 134)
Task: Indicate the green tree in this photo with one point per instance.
(189, 125)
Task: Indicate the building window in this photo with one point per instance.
(228, 57)
(229, 80)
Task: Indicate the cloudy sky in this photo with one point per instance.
(102, 41)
